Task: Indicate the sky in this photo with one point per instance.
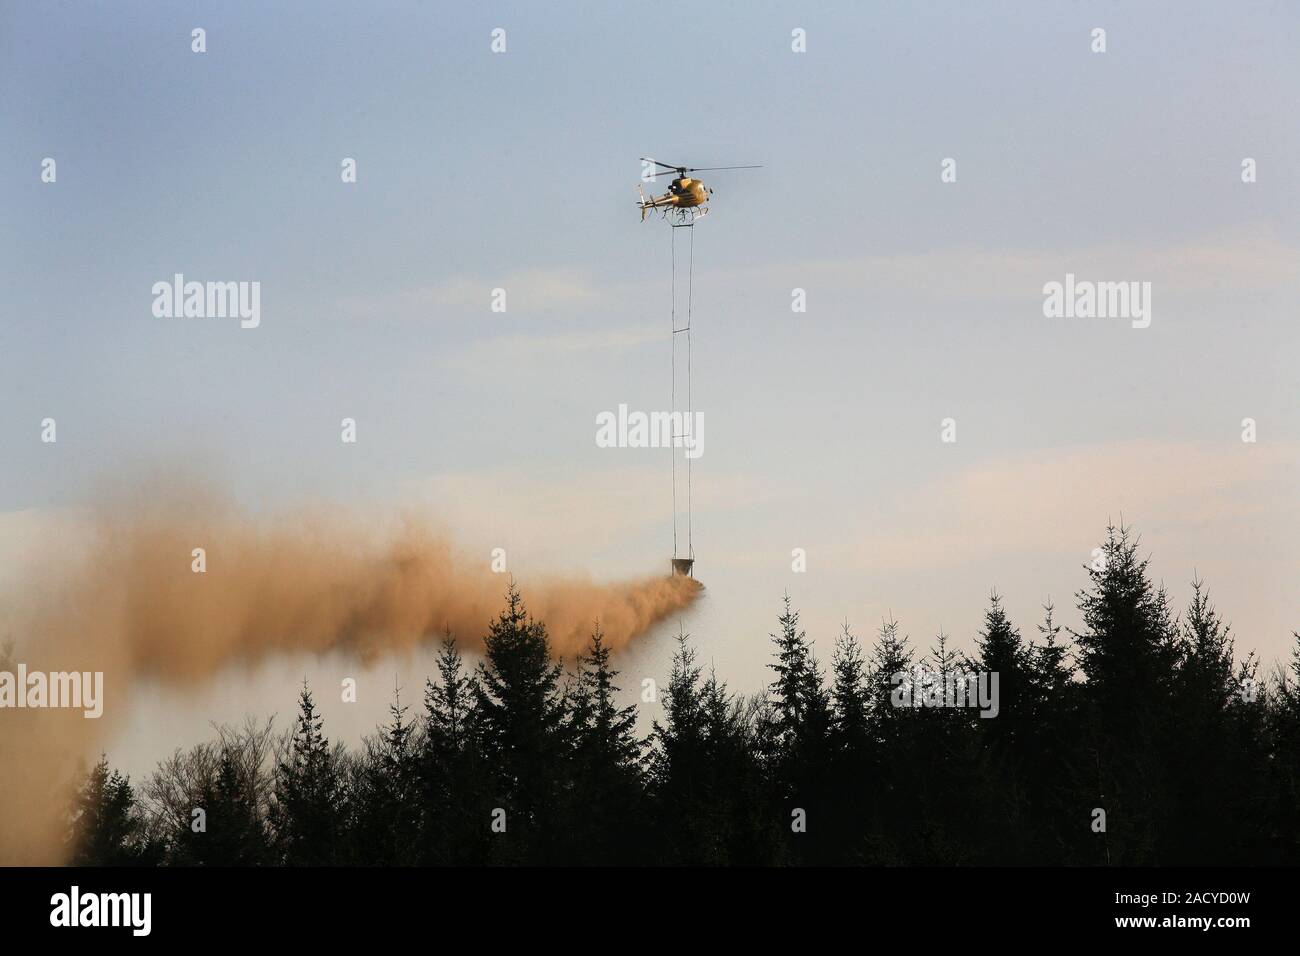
(518, 170)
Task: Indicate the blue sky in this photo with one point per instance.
(518, 170)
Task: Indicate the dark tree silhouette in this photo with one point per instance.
(678, 760)
(1191, 755)
(385, 794)
(605, 805)
(453, 774)
(520, 712)
(1052, 750)
(309, 809)
(850, 730)
(895, 738)
(850, 744)
(1282, 822)
(1128, 654)
(233, 833)
(104, 827)
(796, 733)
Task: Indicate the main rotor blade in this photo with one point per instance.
(647, 159)
(706, 169)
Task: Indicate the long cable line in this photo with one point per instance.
(687, 423)
(690, 414)
(672, 402)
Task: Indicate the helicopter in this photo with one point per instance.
(686, 197)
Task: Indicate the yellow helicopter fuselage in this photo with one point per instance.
(683, 193)
(688, 193)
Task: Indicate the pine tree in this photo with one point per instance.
(233, 833)
(1250, 755)
(678, 762)
(940, 772)
(104, 827)
(944, 663)
(1207, 656)
(682, 730)
(796, 735)
(449, 703)
(607, 735)
(453, 775)
(799, 700)
(1128, 653)
(891, 669)
(1284, 774)
(1052, 764)
(851, 707)
(521, 712)
(1221, 729)
(604, 808)
(1001, 652)
(1128, 648)
(892, 812)
(309, 810)
(239, 836)
(738, 806)
(851, 753)
(1052, 670)
(386, 795)
(1008, 834)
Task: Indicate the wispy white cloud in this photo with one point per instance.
(527, 291)
(1248, 261)
(1052, 500)
(1237, 261)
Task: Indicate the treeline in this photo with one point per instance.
(1138, 739)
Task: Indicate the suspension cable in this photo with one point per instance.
(672, 402)
(687, 424)
(690, 417)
